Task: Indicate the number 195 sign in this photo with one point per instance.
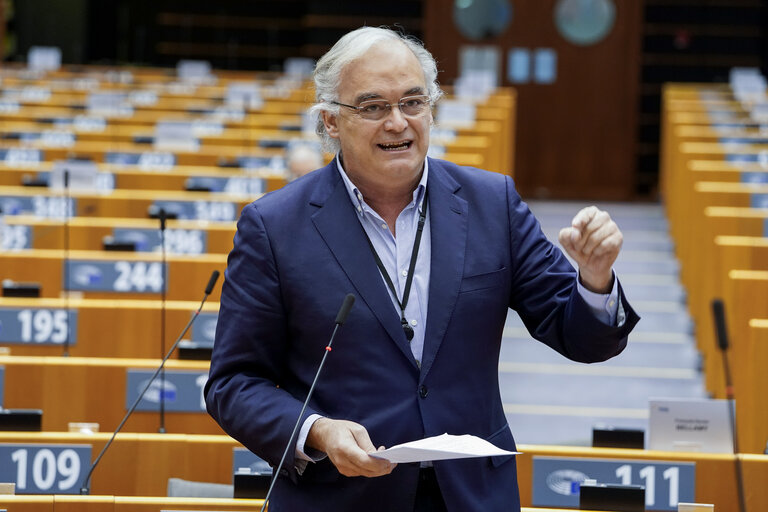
(44, 468)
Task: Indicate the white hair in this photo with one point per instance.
(349, 48)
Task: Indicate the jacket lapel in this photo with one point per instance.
(338, 225)
(448, 224)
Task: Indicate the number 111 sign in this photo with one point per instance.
(557, 480)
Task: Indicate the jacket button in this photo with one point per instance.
(423, 391)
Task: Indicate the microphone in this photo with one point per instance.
(163, 260)
(718, 312)
(341, 317)
(721, 331)
(85, 488)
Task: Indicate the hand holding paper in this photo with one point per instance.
(441, 447)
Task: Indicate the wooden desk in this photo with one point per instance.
(137, 179)
(706, 194)
(97, 151)
(113, 328)
(87, 233)
(715, 473)
(746, 296)
(724, 220)
(187, 275)
(65, 503)
(96, 503)
(229, 141)
(684, 112)
(491, 136)
(758, 344)
(90, 389)
(717, 260)
(717, 221)
(680, 195)
(702, 272)
(211, 206)
(209, 458)
(140, 464)
(210, 156)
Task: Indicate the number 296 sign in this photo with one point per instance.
(44, 469)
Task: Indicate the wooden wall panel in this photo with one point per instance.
(576, 137)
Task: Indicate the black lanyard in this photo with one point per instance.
(411, 267)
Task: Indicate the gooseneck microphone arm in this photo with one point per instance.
(349, 300)
(67, 340)
(721, 331)
(163, 263)
(85, 488)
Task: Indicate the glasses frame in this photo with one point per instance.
(358, 109)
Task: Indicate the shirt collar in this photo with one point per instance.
(357, 198)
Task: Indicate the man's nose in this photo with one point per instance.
(395, 120)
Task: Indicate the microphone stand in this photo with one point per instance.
(349, 300)
(85, 488)
(65, 348)
(161, 215)
(718, 312)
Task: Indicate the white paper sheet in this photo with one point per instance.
(441, 447)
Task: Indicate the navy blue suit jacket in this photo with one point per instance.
(297, 253)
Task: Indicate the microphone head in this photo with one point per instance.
(718, 314)
(212, 282)
(161, 216)
(345, 307)
(66, 178)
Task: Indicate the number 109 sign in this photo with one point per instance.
(44, 468)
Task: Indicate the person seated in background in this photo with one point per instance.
(301, 158)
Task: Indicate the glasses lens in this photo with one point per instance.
(413, 105)
(373, 109)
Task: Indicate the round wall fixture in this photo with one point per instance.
(584, 22)
(482, 19)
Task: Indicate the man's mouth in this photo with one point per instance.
(396, 146)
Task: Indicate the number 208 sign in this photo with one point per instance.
(44, 469)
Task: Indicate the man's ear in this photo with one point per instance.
(329, 120)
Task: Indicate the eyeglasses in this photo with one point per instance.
(376, 110)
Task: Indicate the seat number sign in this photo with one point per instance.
(37, 326)
(44, 468)
(115, 276)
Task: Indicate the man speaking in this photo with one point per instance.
(436, 254)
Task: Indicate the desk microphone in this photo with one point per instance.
(349, 300)
(86, 486)
(721, 330)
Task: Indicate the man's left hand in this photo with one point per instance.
(594, 242)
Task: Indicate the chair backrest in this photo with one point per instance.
(179, 488)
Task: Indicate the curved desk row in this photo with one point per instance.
(140, 464)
